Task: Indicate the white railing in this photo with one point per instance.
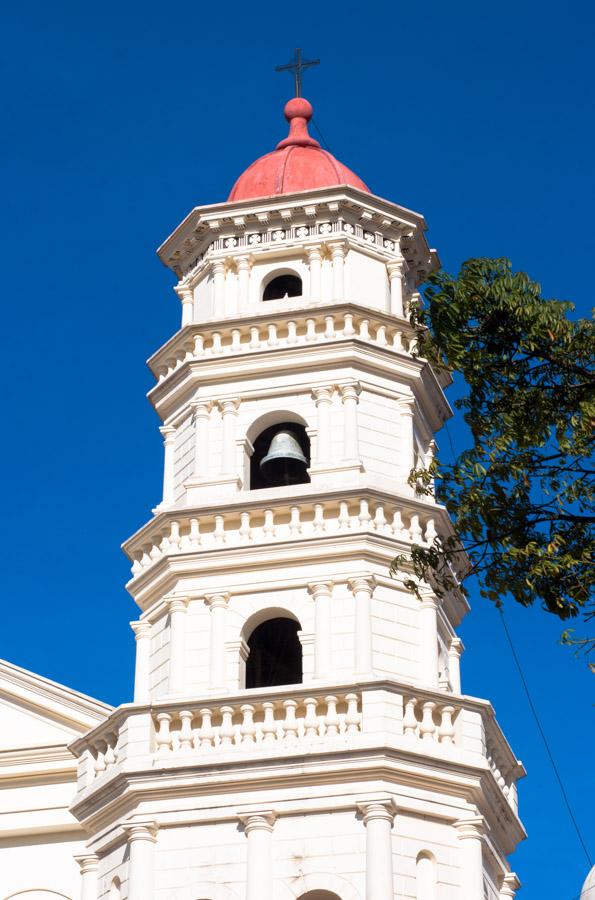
(429, 721)
(280, 332)
(283, 722)
(209, 531)
(311, 719)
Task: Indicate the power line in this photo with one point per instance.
(321, 136)
(543, 737)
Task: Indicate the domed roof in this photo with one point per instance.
(298, 163)
(588, 891)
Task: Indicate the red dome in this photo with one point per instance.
(297, 164)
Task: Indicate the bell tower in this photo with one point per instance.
(298, 728)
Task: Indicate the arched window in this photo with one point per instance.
(274, 654)
(283, 463)
(319, 895)
(282, 287)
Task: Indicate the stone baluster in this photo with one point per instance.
(245, 531)
(364, 516)
(395, 275)
(163, 735)
(290, 725)
(397, 524)
(378, 817)
(217, 604)
(100, 748)
(206, 732)
(315, 263)
(455, 651)
(258, 828)
(219, 531)
(364, 329)
(142, 634)
(381, 335)
(398, 341)
(89, 866)
(292, 332)
(323, 398)
(229, 410)
(247, 728)
(295, 525)
(236, 340)
(446, 731)
(243, 266)
(310, 330)
(350, 398)
(410, 723)
(142, 837)
(348, 329)
(186, 736)
(427, 728)
(344, 519)
(318, 523)
(169, 438)
(268, 528)
(331, 719)
(226, 729)
(273, 340)
(201, 416)
(329, 331)
(352, 716)
(254, 338)
(199, 346)
(321, 593)
(269, 726)
(216, 346)
(177, 607)
(362, 588)
(311, 724)
(470, 832)
(428, 632)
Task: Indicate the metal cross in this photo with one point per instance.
(297, 67)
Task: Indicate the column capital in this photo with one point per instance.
(510, 885)
(217, 600)
(384, 809)
(314, 251)
(350, 391)
(262, 821)
(320, 589)
(88, 862)
(177, 604)
(337, 248)
(428, 601)
(243, 263)
(201, 408)
(229, 406)
(407, 405)
(142, 629)
(184, 292)
(472, 828)
(396, 267)
(141, 831)
(322, 394)
(167, 432)
(362, 583)
(218, 266)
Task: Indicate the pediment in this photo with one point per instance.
(37, 712)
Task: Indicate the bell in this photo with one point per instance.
(285, 462)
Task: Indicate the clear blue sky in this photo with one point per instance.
(118, 119)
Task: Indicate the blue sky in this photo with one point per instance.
(118, 119)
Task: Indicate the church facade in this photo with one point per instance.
(298, 729)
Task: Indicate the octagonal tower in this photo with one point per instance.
(298, 728)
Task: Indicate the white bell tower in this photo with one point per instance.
(298, 728)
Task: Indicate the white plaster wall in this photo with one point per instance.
(413, 835)
(40, 863)
(183, 456)
(367, 281)
(159, 664)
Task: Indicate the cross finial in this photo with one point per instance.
(297, 66)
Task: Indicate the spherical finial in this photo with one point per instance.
(298, 108)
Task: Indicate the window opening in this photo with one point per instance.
(281, 456)
(275, 654)
(282, 287)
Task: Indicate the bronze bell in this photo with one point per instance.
(285, 462)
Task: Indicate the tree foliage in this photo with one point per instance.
(522, 495)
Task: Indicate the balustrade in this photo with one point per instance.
(282, 722)
(427, 720)
(276, 523)
(279, 333)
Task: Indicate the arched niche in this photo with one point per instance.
(274, 649)
(425, 876)
(259, 438)
(282, 284)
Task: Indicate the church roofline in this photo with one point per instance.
(51, 698)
